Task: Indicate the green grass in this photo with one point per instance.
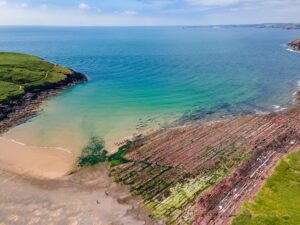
(8, 90)
(19, 72)
(278, 202)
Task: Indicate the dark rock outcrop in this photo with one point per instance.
(20, 108)
(295, 45)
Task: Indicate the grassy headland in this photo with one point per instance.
(24, 79)
(19, 72)
(278, 201)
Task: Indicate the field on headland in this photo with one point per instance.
(19, 72)
(278, 201)
(25, 81)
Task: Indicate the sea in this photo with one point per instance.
(145, 78)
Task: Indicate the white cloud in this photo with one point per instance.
(83, 6)
(129, 12)
(54, 16)
(211, 2)
(126, 12)
(24, 5)
(44, 6)
(237, 12)
(2, 3)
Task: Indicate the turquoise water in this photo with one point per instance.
(145, 77)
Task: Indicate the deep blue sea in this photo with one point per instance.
(142, 78)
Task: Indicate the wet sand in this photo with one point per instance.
(40, 186)
(35, 161)
(88, 197)
(48, 162)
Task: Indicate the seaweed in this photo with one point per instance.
(93, 153)
(118, 158)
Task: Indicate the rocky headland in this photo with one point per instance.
(15, 108)
(295, 45)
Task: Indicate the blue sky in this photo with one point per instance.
(147, 12)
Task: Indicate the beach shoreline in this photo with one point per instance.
(26, 106)
(52, 168)
(32, 160)
(63, 161)
(38, 162)
(47, 172)
(85, 197)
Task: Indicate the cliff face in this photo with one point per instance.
(295, 45)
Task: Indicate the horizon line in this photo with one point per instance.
(154, 25)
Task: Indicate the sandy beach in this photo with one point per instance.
(38, 186)
(35, 161)
(38, 161)
(87, 197)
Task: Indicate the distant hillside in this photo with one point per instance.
(288, 26)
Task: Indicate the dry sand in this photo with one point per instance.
(88, 197)
(23, 153)
(35, 161)
(35, 188)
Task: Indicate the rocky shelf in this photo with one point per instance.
(201, 173)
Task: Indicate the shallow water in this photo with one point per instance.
(143, 77)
